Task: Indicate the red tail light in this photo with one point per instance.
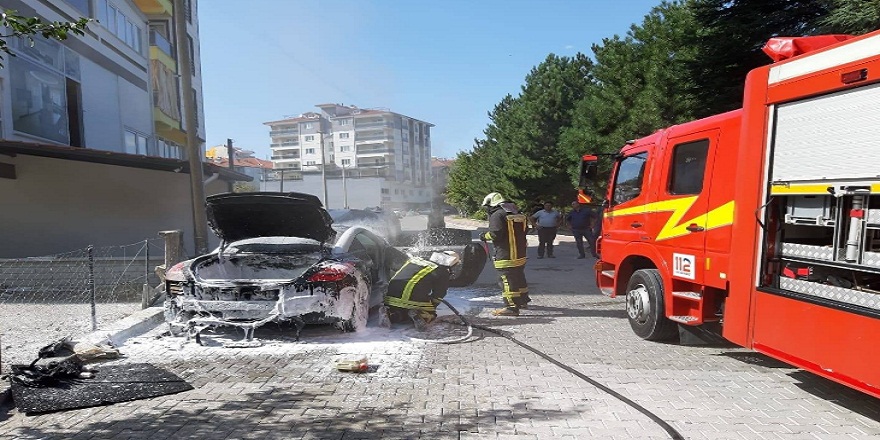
(175, 273)
(333, 272)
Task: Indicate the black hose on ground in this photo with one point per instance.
(675, 435)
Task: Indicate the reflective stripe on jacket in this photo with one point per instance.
(507, 230)
(416, 285)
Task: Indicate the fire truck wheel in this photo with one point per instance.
(644, 306)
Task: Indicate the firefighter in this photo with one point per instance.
(507, 232)
(417, 287)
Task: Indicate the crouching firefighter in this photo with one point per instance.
(507, 232)
(417, 287)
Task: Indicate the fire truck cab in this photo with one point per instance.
(762, 223)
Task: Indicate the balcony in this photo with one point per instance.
(373, 138)
(376, 125)
(284, 133)
(155, 7)
(374, 151)
(280, 157)
(159, 41)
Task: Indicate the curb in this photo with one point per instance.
(132, 325)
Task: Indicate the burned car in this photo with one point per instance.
(420, 243)
(279, 261)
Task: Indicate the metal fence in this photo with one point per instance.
(43, 299)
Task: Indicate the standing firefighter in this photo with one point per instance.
(507, 232)
(417, 287)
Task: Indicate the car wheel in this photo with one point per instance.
(473, 259)
(645, 307)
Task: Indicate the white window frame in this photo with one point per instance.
(310, 151)
(309, 138)
(344, 135)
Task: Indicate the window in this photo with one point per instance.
(628, 182)
(135, 143)
(192, 56)
(115, 21)
(688, 167)
(310, 162)
(308, 125)
(310, 151)
(39, 101)
(385, 191)
(310, 138)
(396, 191)
(82, 6)
(345, 148)
(346, 162)
(343, 135)
(169, 149)
(344, 121)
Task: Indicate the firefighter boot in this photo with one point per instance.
(419, 320)
(506, 311)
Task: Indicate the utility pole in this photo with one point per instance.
(194, 150)
(344, 189)
(230, 151)
(323, 166)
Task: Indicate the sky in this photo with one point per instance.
(444, 62)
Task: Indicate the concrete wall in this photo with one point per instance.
(57, 205)
(365, 192)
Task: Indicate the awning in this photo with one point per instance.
(13, 148)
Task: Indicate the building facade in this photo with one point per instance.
(378, 150)
(92, 132)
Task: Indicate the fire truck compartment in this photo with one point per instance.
(827, 246)
(828, 137)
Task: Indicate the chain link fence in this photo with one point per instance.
(43, 299)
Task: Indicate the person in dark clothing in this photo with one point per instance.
(547, 222)
(507, 232)
(581, 222)
(417, 287)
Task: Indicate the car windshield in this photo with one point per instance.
(266, 258)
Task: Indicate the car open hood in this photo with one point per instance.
(236, 217)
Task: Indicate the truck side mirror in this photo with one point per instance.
(588, 171)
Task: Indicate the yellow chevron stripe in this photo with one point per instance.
(674, 227)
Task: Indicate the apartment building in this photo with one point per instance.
(92, 132)
(384, 156)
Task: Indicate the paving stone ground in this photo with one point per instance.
(489, 388)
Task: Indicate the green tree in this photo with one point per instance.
(852, 17)
(27, 27)
(731, 35)
(642, 83)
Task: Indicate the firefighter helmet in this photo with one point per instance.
(493, 199)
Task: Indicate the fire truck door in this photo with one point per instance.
(682, 204)
(624, 220)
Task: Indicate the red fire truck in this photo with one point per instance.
(762, 222)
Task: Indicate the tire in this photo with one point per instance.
(473, 259)
(645, 307)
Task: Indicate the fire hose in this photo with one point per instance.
(675, 435)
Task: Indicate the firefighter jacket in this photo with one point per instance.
(418, 284)
(507, 232)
